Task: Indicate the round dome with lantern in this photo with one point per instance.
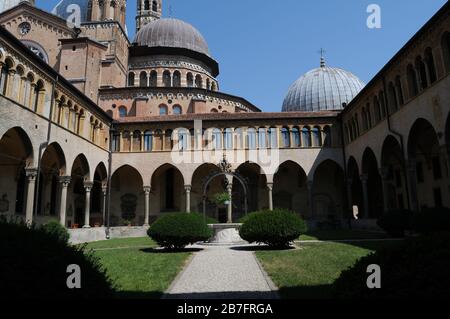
(322, 89)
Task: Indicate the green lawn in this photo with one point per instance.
(136, 268)
(308, 272)
(342, 235)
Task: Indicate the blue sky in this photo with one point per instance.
(264, 46)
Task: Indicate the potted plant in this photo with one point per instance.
(222, 199)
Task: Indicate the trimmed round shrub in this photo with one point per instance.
(177, 230)
(431, 220)
(277, 228)
(415, 269)
(57, 231)
(395, 222)
(209, 220)
(34, 266)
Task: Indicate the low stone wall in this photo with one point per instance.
(87, 235)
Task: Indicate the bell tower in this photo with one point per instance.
(108, 10)
(147, 11)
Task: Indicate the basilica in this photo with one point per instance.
(100, 131)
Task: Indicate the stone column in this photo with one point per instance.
(310, 185)
(364, 180)
(412, 180)
(87, 204)
(104, 193)
(147, 190)
(188, 189)
(385, 184)
(64, 181)
(270, 193)
(230, 203)
(31, 174)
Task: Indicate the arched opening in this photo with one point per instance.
(143, 79)
(131, 77)
(177, 110)
(392, 98)
(52, 166)
(316, 137)
(98, 198)
(392, 165)
(127, 197)
(216, 186)
(328, 193)
(412, 81)
(155, 6)
(285, 137)
(123, 112)
(198, 81)
(296, 140)
(167, 79)
(126, 141)
(422, 71)
(251, 138)
(374, 184)
(147, 5)
(163, 109)
(136, 142)
(429, 60)
(306, 136)
(168, 188)
(257, 188)
(424, 152)
(177, 79)
(399, 90)
(355, 189)
(445, 44)
(16, 154)
(290, 189)
(190, 80)
(77, 192)
(148, 141)
(153, 79)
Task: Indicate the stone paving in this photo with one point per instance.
(222, 272)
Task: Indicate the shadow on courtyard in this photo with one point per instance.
(170, 251)
(261, 248)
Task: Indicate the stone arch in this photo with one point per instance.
(393, 174)
(374, 183)
(16, 155)
(328, 192)
(167, 184)
(127, 197)
(80, 177)
(257, 186)
(290, 187)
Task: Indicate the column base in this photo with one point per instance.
(86, 226)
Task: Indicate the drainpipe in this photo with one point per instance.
(42, 146)
(108, 207)
(400, 136)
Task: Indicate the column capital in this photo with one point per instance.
(147, 189)
(65, 180)
(270, 186)
(104, 188)
(31, 173)
(88, 186)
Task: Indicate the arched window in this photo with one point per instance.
(377, 109)
(38, 89)
(131, 79)
(251, 139)
(126, 138)
(198, 81)
(317, 137)
(190, 80)
(143, 79)
(123, 111)
(228, 138)
(285, 137)
(273, 137)
(177, 110)
(296, 137)
(208, 84)
(136, 141)
(412, 81)
(159, 140)
(399, 90)
(162, 109)
(429, 60)
(392, 97)
(214, 111)
(115, 142)
(177, 79)
(155, 6)
(153, 79)
(217, 139)
(147, 5)
(183, 139)
(168, 140)
(4, 78)
(445, 43)
(148, 141)
(327, 136)
(262, 138)
(306, 136)
(167, 79)
(422, 70)
(381, 99)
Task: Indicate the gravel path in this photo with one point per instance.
(222, 272)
